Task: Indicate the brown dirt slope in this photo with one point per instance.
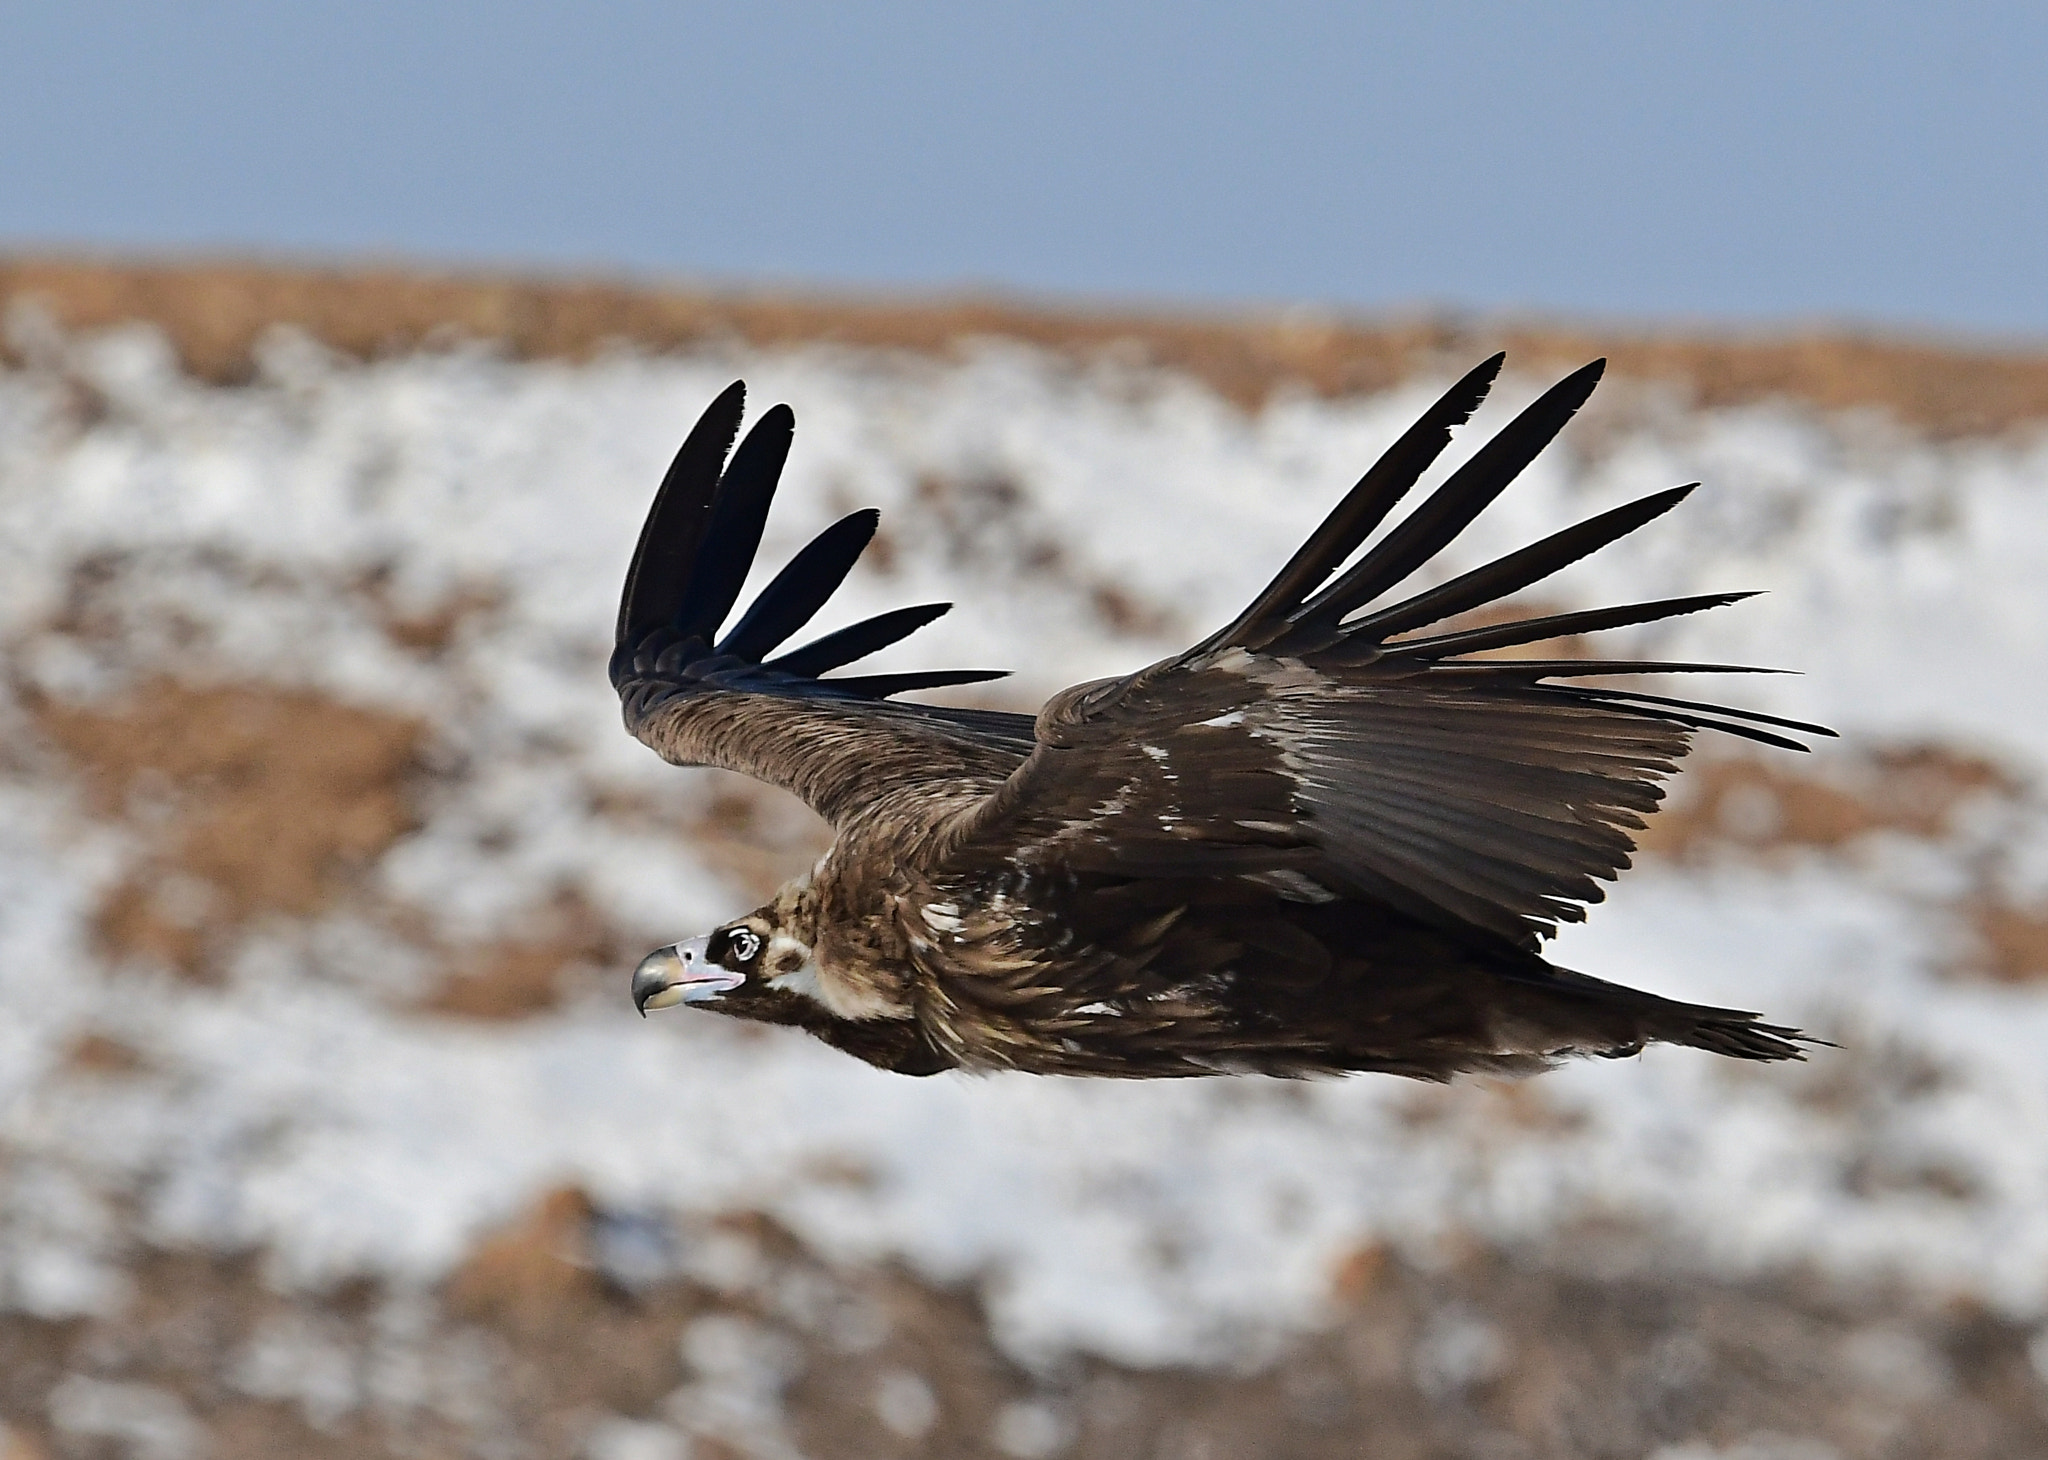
(215, 311)
(544, 1346)
(251, 801)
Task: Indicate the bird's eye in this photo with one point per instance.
(743, 945)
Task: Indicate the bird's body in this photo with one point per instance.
(1318, 841)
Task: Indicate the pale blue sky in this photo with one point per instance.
(1732, 161)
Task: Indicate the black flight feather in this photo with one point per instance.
(856, 641)
(1739, 729)
(738, 515)
(1557, 625)
(1630, 694)
(1583, 668)
(1449, 510)
(1364, 507)
(662, 561)
(1519, 569)
(802, 588)
(881, 686)
(694, 554)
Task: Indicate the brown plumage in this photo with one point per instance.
(1322, 839)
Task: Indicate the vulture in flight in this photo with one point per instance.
(1328, 837)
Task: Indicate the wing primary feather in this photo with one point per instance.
(801, 588)
(1426, 530)
(1519, 569)
(1750, 732)
(660, 572)
(1365, 506)
(857, 641)
(738, 515)
(1726, 727)
(1757, 715)
(1583, 668)
(1739, 730)
(1557, 625)
(881, 686)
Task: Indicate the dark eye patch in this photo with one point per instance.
(732, 947)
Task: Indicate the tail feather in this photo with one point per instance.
(1741, 1036)
(1587, 1015)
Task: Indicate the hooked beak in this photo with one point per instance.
(680, 974)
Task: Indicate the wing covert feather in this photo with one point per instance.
(1488, 806)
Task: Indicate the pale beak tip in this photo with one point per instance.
(678, 974)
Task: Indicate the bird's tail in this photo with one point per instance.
(1593, 1016)
(1732, 1032)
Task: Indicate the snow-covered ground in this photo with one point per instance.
(301, 1107)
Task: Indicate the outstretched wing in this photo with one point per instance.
(702, 697)
(1332, 752)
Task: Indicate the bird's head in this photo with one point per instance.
(745, 966)
(765, 967)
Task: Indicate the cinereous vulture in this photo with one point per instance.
(1328, 837)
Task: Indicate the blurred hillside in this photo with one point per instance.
(326, 1128)
(215, 313)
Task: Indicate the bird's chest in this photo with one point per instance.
(1004, 981)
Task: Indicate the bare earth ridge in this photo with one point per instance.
(215, 310)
